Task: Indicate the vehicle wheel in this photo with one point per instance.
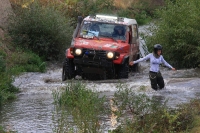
(110, 73)
(123, 71)
(103, 76)
(68, 70)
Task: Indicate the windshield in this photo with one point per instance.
(89, 29)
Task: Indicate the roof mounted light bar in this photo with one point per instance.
(111, 18)
(106, 17)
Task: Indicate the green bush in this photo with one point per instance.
(178, 30)
(7, 90)
(43, 30)
(13, 63)
(138, 113)
(79, 110)
(27, 62)
(2, 60)
(85, 106)
(142, 11)
(2, 64)
(88, 7)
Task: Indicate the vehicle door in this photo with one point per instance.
(134, 42)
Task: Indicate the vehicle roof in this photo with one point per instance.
(111, 19)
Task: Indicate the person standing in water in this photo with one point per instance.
(156, 59)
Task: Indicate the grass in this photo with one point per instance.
(82, 104)
(196, 125)
(79, 109)
(14, 61)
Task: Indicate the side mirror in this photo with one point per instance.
(80, 19)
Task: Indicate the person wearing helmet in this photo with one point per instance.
(95, 27)
(156, 59)
(119, 32)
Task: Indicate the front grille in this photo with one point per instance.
(94, 54)
(95, 58)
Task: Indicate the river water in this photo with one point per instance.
(32, 111)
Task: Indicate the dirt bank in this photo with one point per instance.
(5, 9)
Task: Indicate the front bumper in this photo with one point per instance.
(93, 62)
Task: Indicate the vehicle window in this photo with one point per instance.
(102, 29)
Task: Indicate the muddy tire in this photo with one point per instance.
(110, 73)
(123, 71)
(68, 70)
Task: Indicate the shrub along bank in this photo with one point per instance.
(43, 30)
(178, 30)
(13, 61)
(37, 34)
(142, 10)
(84, 105)
(79, 109)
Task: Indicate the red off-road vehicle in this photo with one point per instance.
(101, 48)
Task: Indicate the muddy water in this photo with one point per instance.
(32, 111)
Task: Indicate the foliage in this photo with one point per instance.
(2, 64)
(84, 105)
(13, 62)
(26, 62)
(7, 90)
(79, 110)
(86, 7)
(2, 130)
(43, 30)
(178, 31)
(142, 10)
(139, 113)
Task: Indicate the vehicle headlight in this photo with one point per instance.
(78, 51)
(110, 55)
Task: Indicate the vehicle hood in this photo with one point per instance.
(96, 44)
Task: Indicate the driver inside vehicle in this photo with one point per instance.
(119, 32)
(95, 27)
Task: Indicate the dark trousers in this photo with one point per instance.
(156, 80)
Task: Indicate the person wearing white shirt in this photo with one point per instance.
(156, 59)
